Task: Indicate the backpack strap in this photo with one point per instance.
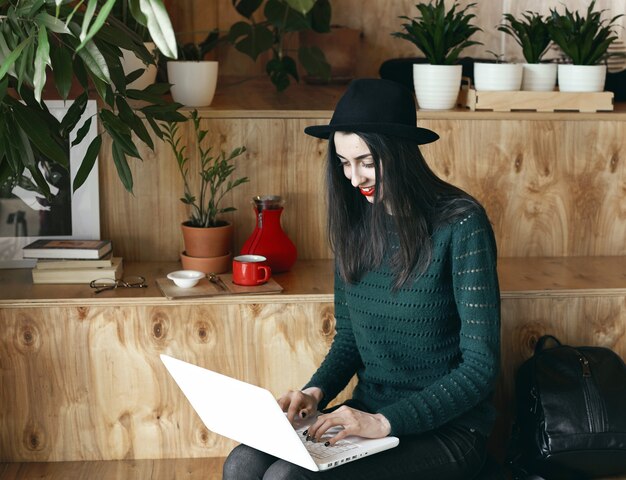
(541, 343)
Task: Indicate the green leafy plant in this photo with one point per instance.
(213, 176)
(584, 39)
(440, 34)
(81, 42)
(281, 19)
(196, 51)
(530, 32)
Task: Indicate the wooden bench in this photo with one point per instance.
(98, 392)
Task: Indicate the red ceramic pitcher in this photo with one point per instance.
(268, 238)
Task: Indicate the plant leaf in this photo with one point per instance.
(42, 59)
(159, 26)
(121, 165)
(38, 132)
(72, 117)
(88, 162)
(103, 14)
(246, 7)
(61, 61)
(82, 132)
(13, 56)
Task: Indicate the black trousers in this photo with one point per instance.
(448, 453)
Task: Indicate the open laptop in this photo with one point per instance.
(250, 415)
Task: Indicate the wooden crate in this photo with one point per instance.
(536, 101)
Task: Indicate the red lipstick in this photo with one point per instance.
(367, 191)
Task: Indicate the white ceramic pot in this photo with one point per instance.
(130, 63)
(581, 78)
(436, 86)
(539, 77)
(193, 83)
(497, 77)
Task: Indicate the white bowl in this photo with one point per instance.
(186, 278)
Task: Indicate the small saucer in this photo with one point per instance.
(186, 278)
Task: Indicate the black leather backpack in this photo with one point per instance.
(570, 413)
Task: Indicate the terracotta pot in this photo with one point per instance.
(206, 264)
(207, 242)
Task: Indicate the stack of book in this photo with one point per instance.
(73, 261)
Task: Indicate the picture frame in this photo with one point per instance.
(21, 216)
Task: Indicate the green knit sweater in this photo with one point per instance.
(428, 354)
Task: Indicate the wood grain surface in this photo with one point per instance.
(552, 187)
(81, 378)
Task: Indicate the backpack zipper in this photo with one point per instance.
(593, 401)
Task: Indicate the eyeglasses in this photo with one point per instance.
(103, 284)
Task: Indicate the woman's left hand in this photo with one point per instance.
(353, 422)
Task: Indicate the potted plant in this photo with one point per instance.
(340, 46)
(498, 76)
(281, 19)
(531, 33)
(207, 237)
(79, 42)
(585, 41)
(193, 78)
(441, 35)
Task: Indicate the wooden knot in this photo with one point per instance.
(34, 440)
(255, 308)
(82, 313)
(203, 436)
(159, 325)
(613, 163)
(328, 322)
(517, 164)
(28, 338)
(157, 330)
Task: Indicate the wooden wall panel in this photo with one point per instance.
(90, 385)
(551, 188)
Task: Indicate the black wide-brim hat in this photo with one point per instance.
(372, 105)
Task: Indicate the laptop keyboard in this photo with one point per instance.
(319, 451)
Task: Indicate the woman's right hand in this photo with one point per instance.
(301, 403)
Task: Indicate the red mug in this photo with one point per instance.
(250, 270)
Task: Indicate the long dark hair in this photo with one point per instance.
(420, 202)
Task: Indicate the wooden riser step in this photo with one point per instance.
(536, 101)
(167, 469)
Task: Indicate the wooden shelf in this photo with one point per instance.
(312, 281)
(256, 97)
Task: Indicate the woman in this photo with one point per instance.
(417, 304)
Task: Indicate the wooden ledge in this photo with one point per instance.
(311, 281)
(256, 97)
(187, 468)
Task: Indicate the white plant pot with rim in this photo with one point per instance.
(539, 77)
(497, 77)
(130, 63)
(581, 78)
(436, 86)
(193, 83)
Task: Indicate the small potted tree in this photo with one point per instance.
(585, 41)
(193, 78)
(531, 33)
(441, 35)
(207, 237)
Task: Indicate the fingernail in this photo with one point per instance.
(326, 444)
(305, 432)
